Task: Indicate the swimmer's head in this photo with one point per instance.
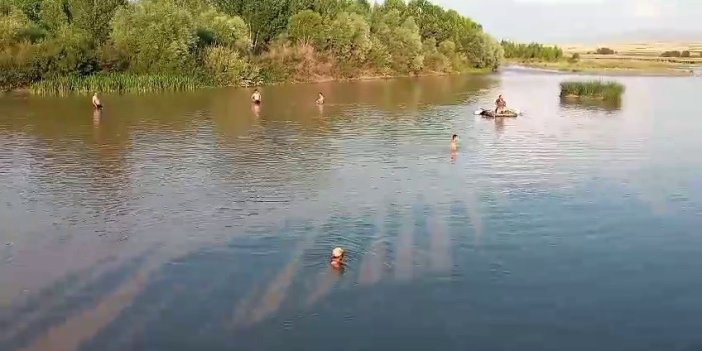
(337, 252)
(454, 137)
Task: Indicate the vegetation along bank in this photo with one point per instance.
(594, 89)
(66, 46)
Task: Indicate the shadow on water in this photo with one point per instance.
(32, 319)
(222, 297)
(609, 106)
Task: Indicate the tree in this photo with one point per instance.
(605, 51)
(94, 16)
(53, 14)
(217, 28)
(224, 65)
(266, 18)
(305, 26)
(169, 45)
(68, 52)
(685, 53)
(347, 37)
(12, 25)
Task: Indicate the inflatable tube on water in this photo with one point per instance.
(491, 114)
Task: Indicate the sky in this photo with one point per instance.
(566, 21)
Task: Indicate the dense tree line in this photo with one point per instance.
(675, 53)
(230, 42)
(533, 51)
(605, 51)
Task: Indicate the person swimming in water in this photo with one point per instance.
(320, 99)
(96, 102)
(256, 97)
(337, 258)
(454, 143)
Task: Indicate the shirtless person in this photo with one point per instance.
(96, 102)
(500, 104)
(256, 97)
(320, 99)
(454, 143)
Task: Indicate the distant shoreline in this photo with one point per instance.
(618, 67)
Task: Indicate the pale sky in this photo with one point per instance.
(569, 20)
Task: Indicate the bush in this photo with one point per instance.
(574, 58)
(605, 51)
(685, 53)
(305, 26)
(673, 53)
(592, 89)
(19, 66)
(169, 47)
(222, 30)
(224, 66)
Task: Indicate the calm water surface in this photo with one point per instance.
(194, 222)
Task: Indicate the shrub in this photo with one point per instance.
(224, 66)
(685, 53)
(592, 89)
(168, 47)
(223, 30)
(574, 58)
(605, 51)
(673, 53)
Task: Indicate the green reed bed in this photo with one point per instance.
(117, 83)
(592, 89)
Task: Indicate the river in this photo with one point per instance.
(193, 221)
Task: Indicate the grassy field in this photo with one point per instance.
(653, 49)
(633, 58)
(613, 66)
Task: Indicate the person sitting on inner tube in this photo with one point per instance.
(500, 104)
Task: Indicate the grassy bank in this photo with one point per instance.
(117, 83)
(612, 66)
(610, 91)
(125, 83)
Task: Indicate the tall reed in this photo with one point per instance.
(117, 83)
(593, 89)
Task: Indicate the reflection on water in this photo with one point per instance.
(198, 222)
(591, 104)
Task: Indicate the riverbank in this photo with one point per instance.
(616, 66)
(125, 83)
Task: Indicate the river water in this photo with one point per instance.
(195, 222)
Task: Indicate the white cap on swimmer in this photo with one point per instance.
(337, 252)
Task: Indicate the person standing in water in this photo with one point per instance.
(256, 97)
(454, 143)
(96, 102)
(320, 99)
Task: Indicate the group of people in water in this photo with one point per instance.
(256, 98)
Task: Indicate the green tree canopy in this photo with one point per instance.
(305, 26)
(171, 40)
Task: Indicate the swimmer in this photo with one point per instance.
(337, 259)
(454, 143)
(320, 99)
(96, 102)
(256, 97)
